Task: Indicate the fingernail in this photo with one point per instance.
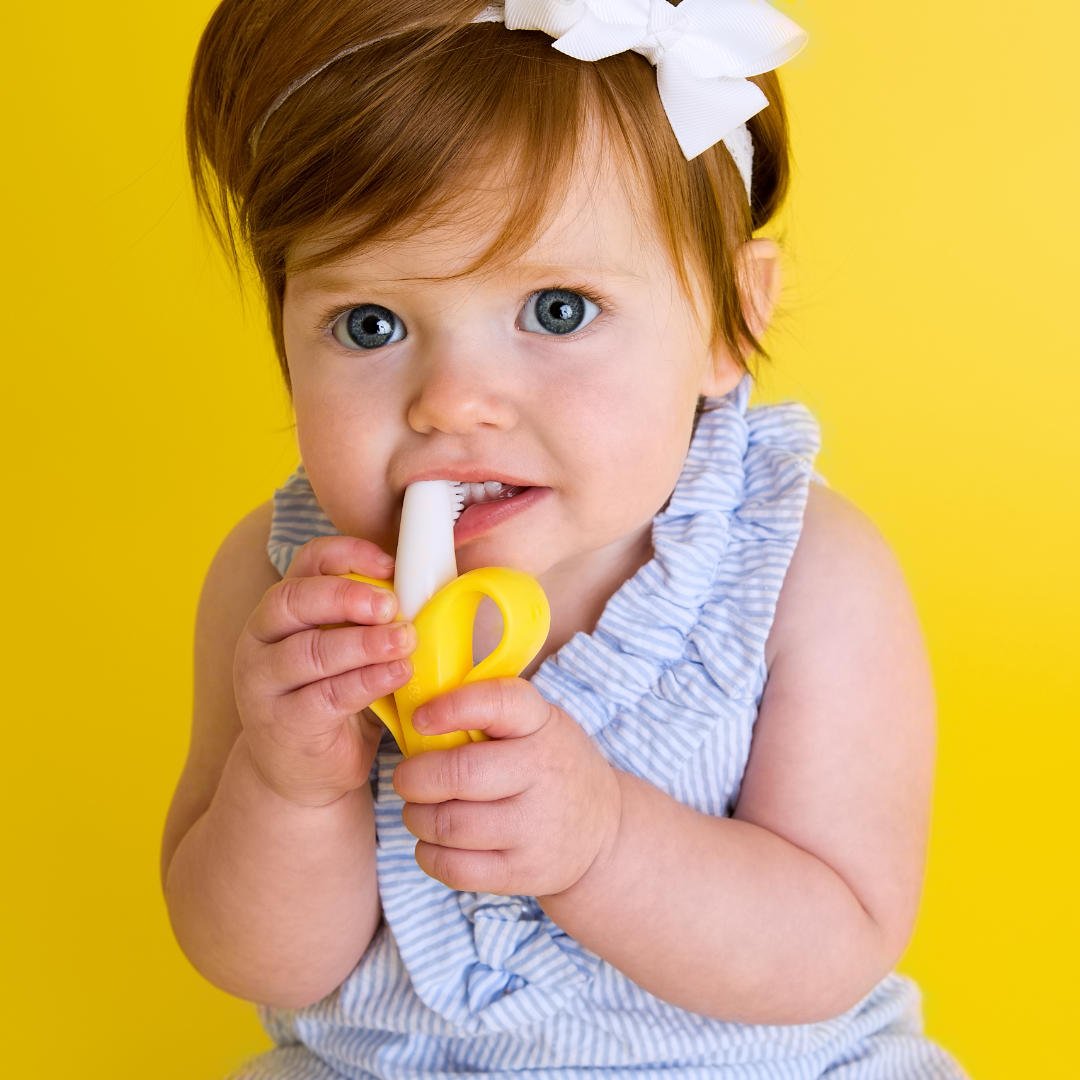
(419, 720)
(402, 636)
(399, 668)
(383, 604)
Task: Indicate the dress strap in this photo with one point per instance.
(297, 518)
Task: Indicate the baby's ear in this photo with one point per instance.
(757, 269)
(757, 265)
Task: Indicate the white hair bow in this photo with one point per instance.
(702, 51)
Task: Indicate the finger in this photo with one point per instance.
(310, 655)
(501, 708)
(294, 604)
(475, 772)
(467, 871)
(340, 555)
(472, 826)
(318, 705)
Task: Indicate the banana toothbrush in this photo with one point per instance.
(443, 608)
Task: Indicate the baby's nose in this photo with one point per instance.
(457, 392)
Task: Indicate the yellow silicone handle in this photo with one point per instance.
(443, 658)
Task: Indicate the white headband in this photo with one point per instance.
(703, 51)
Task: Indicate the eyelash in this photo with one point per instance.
(326, 321)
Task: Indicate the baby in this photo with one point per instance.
(513, 245)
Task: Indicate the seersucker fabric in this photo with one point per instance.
(668, 686)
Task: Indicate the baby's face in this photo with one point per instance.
(572, 374)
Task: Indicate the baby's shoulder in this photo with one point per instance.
(839, 550)
(245, 546)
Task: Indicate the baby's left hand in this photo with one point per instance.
(527, 812)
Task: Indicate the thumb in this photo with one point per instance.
(500, 708)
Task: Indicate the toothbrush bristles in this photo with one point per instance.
(457, 501)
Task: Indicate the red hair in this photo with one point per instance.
(380, 139)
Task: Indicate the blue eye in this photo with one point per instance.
(557, 311)
(368, 326)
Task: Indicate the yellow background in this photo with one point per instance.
(930, 322)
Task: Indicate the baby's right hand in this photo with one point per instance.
(301, 684)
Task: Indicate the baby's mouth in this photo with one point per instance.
(490, 504)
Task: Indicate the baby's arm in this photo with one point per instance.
(793, 909)
(270, 885)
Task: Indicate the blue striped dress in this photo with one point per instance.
(668, 685)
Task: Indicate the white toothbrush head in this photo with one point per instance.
(425, 553)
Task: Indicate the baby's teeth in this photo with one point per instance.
(481, 492)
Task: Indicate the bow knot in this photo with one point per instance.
(662, 32)
(703, 51)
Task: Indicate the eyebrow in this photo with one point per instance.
(335, 284)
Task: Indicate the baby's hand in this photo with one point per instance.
(527, 812)
(301, 684)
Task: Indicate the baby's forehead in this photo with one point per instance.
(594, 223)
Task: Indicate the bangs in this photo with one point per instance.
(468, 130)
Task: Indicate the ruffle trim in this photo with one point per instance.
(482, 961)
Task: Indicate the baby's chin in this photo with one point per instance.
(476, 555)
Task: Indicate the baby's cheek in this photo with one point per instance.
(354, 507)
